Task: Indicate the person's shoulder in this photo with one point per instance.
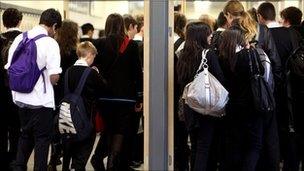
(133, 43)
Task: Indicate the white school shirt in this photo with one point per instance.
(48, 55)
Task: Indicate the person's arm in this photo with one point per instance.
(267, 43)
(214, 66)
(53, 62)
(138, 73)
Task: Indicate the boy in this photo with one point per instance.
(94, 86)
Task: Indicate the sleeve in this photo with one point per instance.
(12, 50)
(138, 72)
(98, 83)
(268, 45)
(53, 59)
(214, 66)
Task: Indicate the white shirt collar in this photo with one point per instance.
(175, 37)
(220, 29)
(13, 29)
(273, 24)
(138, 37)
(85, 36)
(238, 48)
(81, 62)
(40, 30)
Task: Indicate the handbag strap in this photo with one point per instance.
(203, 63)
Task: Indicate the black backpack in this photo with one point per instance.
(73, 123)
(263, 98)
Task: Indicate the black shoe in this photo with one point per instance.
(97, 164)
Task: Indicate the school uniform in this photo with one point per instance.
(10, 127)
(79, 152)
(120, 66)
(36, 108)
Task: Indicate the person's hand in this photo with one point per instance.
(95, 68)
(138, 107)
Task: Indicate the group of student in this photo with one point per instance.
(245, 138)
(111, 92)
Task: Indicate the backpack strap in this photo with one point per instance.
(82, 81)
(39, 36)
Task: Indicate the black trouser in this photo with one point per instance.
(9, 133)
(36, 129)
(135, 149)
(101, 151)
(79, 152)
(181, 148)
(270, 154)
(203, 140)
(243, 139)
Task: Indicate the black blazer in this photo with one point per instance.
(122, 71)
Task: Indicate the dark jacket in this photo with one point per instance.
(4, 39)
(237, 81)
(94, 86)
(122, 71)
(266, 42)
(86, 39)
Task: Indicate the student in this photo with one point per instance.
(140, 27)
(130, 25)
(10, 127)
(79, 152)
(283, 38)
(36, 108)
(67, 38)
(244, 125)
(87, 32)
(233, 10)
(181, 148)
(200, 127)
(119, 63)
(222, 25)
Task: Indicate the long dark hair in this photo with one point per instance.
(67, 37)
(115, 31)
(231, 38)
(196, 40)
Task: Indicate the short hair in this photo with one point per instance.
(50, 17)
(140, 21)
(84, 48)
(253, 14)
(180, 22)
(86, 28)
(129, 20)
(292, 14)
(267, 11)
(221, 20)
(11, 17)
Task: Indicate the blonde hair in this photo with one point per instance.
(235, 8)
(84, 48)
(204, 18)
(247, 25)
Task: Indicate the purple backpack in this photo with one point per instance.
(24, 72)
